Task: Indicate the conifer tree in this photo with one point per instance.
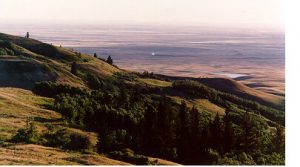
(150, 127)
(278, 139)
(74, 68)
(183, 131)
(165, 127)
(194, 139)
(109, 60)
(249, 133)
(216, 133)
(228, 133)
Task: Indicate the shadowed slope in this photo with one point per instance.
(23, 73)
(241, 90)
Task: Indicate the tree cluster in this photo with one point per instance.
(125, 118)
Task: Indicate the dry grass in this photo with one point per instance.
(158, 161)
(155, 82)
(98, 67)
(19, 105)
(29, 154)
(241, 90)
(206, 105)
(203, 105)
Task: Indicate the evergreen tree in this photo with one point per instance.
(123, 99)
(278, 139)
(194, 140)
(228, 133)
(195, 124)
(74, 68)
(183, 117)
(109, 60)
(183, 132)
(216, 133)
(248, 133)
(150, 127)
(166, 132)
(205, 144)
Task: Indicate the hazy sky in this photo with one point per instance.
(167, 12)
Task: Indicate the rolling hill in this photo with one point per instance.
(25, 63)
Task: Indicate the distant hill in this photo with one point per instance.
(239, 89)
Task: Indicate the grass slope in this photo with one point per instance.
(236, 88)
(239, 89)
(30, 154)
(27, 61)
(19, 105)
(46, 62)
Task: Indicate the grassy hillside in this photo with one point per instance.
(17, 106)
(33, 61)
(89, 110)
(234, 87)
(30, 154)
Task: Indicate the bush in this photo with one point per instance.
(114, 140)
(57, 138)
(74, 68)
(269, 159)
(228, 161)
(79, 142)
(236, 159)
(50, 89)
(128, 155)
(27, 135)
(66, 139)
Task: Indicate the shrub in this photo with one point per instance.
(50, 89)
(114, 140)
(79, 142)
(57, 138)
(27, 135)
(236, 159)
(128, 155)
(67, 139)
(74, 68)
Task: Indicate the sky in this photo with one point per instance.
(256, 13)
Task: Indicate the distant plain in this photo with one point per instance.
(256, 58)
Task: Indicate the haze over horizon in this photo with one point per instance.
(229, 13)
